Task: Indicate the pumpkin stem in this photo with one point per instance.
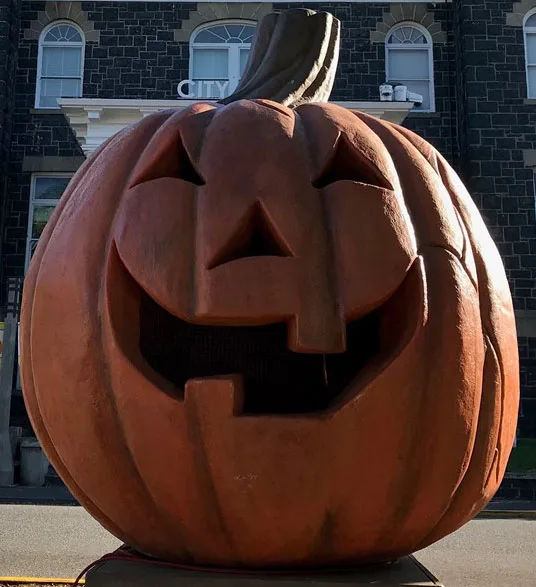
(293, 59)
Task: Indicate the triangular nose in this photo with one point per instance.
(256, 236)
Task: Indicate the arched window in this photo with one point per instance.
(60, 64)
(409, 61)
(218, 57)
(529, 30)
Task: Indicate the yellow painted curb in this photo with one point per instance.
(23, 580)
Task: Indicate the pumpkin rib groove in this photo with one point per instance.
(455, 254)
(115, 142)
(201, 457)
(100, 348)
(377, 126)
(428, 160)
(488, 329)
(481, 268)
(469, 459)
(431, 156)
(101, 305)
(415, 472)
(119, 428)
(480, 498)
(401, 481)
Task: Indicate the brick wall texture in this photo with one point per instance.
(482, 123)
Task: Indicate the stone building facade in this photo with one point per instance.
(483, 117)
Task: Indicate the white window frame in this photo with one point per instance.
(528, 30)
(401, 47)
(42, 44)
(233, 59)
(33, 204)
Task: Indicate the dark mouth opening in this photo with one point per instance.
(276, 380)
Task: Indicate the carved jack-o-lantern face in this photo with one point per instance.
(262, 336)
(300, 237)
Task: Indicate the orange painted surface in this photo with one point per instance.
(260, 337)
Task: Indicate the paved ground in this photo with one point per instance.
(49, 541)
(59, 541)
(485, 553)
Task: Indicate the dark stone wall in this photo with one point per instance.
(34, 134)
(136, 56)
(9, 27)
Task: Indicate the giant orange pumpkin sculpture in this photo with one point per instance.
(264, 336)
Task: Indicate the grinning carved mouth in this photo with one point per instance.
(277, 380)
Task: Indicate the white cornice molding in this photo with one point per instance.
(95, 120)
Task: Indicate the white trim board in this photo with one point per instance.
(95, 120)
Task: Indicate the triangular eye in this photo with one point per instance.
(255, 237)
(171, 161)
(346, 163)
(186, 169)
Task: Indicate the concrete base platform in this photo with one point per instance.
(405, 572)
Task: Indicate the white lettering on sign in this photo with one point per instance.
(203, 89)
(180, 86)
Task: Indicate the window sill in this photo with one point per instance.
(423, 115)
(45, 111)
(530, 101)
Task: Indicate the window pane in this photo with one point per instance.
(41, 215)
(407, 35)
(422, 88)
(244, 54)
(74, 36)
(50, 90)
(70, 88)
(63, 33)
(249, 31)
(228, 33)
(50, 188)
(72, 61)
(33, 245)
(408, 64)
(52, 35)
(530, 40)
(215, 34)
(52, 64)
(531, 90)
(531, 20)
(61, 61)
(210, 63)
(235, 30)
